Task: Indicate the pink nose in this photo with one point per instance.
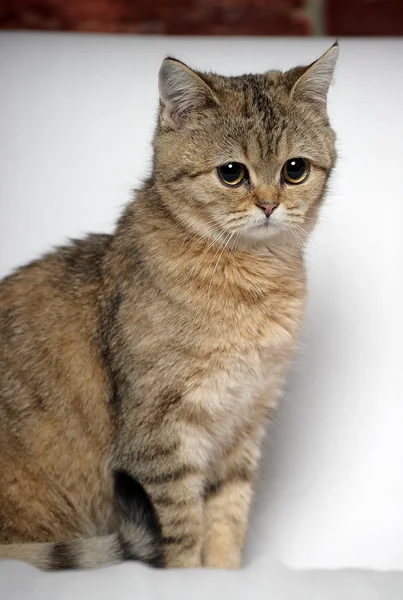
(267, 208)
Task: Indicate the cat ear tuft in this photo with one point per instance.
(182, 91)
(313, 85)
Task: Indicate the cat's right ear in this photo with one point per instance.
(182, 92)
(313, 84)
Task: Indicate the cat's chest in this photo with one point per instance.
(228, 402)
(241, 381)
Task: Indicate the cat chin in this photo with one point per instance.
(259, 235)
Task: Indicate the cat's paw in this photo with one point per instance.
(222, 553)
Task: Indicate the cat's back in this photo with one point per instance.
(62, 270)
(50, 313)
(53, 383)
(43, 304)
(68, 274)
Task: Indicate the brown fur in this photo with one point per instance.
(161, 349)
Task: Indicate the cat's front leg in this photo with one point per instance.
(177, 498)
(226, 509)
(226, 518)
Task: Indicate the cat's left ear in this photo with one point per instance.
(313, 85)
(182, 92)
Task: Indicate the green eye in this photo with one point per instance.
(295, 170)
(232, 173)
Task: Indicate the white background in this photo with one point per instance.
(76, 118)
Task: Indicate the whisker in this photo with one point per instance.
(195, 267)
(218, 260)
(327, 222)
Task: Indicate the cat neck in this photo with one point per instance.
(183, 261)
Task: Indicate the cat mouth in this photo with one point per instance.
(269, 223)
(266, 224)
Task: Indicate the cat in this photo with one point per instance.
(138, 370)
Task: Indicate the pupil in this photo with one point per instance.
(231, 171)
(296, 168)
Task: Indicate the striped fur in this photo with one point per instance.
(161, 350)
(138, 537)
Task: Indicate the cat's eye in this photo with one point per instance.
(232, 173)
(295, 170)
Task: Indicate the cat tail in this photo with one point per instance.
(138, 537)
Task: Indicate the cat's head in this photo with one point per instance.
(243, 159)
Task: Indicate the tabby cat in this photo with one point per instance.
(138, 370)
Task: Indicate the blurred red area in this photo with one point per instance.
(364, 17)
(175, 17)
